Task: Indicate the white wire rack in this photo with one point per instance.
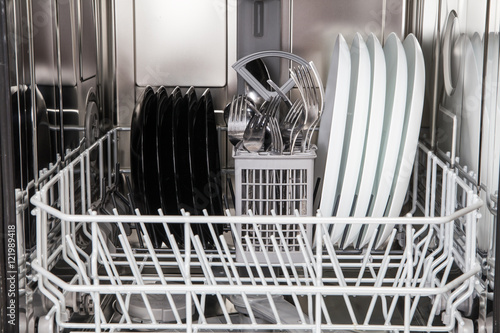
(420, 287)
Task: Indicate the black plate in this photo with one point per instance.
(165, 153)
(150, 166)
(180, 123)
(137, 167)
(199, 199)
(213, 159)
(192, 103)
(165, 157)
(198, 155)
(149, 156)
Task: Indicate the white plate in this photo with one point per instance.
(450, 35)
(453, 102)
(395, 101)
(374, 135)
(478, 48)
(494, 135)
(489, 143)
(471, 110)
(411, 130)
(331, 132)
(490, 110)
(354, 138)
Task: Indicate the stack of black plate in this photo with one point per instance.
(175, 160)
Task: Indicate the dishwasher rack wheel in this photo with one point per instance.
(467, 327)
(46, 324)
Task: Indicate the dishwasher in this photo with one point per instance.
(249, 165)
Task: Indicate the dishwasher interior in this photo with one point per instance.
(255, 253)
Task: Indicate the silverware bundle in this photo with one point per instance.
(260, 129)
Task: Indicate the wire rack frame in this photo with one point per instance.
(392, 285)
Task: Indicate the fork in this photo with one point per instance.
(237, 119)
(313, 126)
(253, 137)
(276, 138)
(312, 97)
(292, 123)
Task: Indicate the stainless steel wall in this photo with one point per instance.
(195, 42)
(53, 60)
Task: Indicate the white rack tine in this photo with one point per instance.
(87, 168)
(416, 248)
(399, 283)
(253, 255)
(112, 279)
(383, 300)
(422, 284)
(205, 266)
(243, 255)
(340, 275)
(135, 271)
(65, 230)
(230, 260)
(120, 224)
(288, 280)
(180, 264)
(380, 277)
(86, 279)
(82, 184)
(219, 250)
(366, 257)
(438, 269)
(437, 300)
(157, 265)
(313, 278)
(263, 278)
(421, 260)
(108, 258)
(175, 248)
(237, 277)
(113, 267)
(420, 231)
(288, 254)
(264, 251)
(303, 233)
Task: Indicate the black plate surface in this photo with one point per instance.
(213, 159)
(180, 140)
(137, 167)
(165, 153)
(149, 156)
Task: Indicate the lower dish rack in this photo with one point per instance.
(422, 279)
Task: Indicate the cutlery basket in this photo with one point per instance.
(269, 184)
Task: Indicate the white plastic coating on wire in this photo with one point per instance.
(182, 268)
(268, 264)
(159, 271)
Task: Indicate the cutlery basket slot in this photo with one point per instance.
(269, 184)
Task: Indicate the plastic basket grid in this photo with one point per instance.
(273, 185)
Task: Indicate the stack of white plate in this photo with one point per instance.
(369, 133)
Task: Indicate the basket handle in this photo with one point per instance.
(240, 68)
